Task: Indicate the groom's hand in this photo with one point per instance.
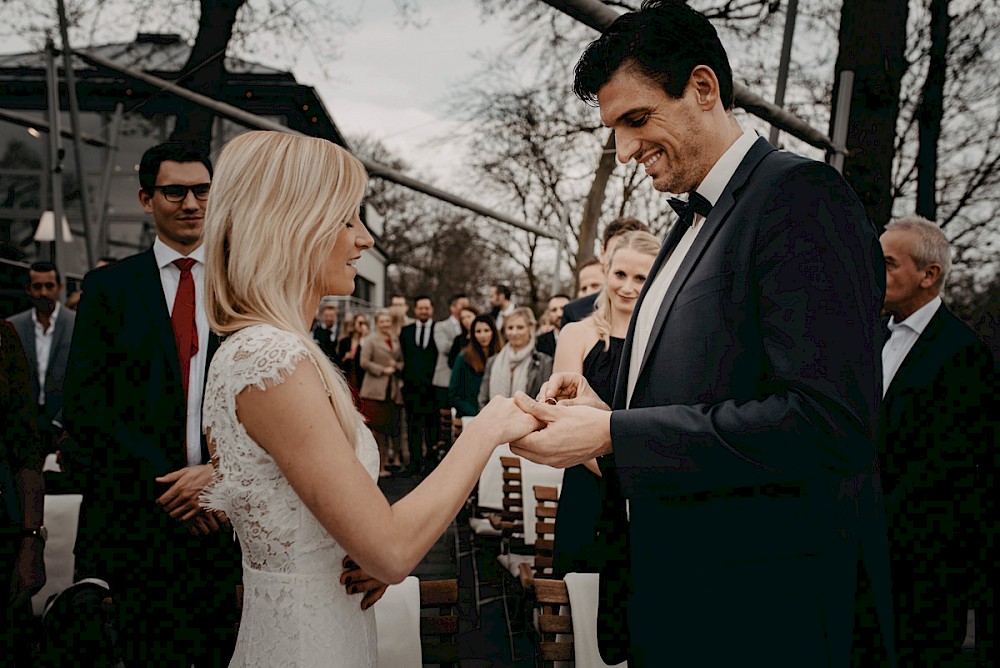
(570, 389)
(573, 434)
(356, 581)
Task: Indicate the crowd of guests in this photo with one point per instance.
(414, 376)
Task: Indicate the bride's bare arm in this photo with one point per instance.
(296, 424)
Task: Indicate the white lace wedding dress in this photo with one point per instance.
(296, 614)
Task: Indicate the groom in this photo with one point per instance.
(741, 432)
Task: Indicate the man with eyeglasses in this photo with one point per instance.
(134, 394)
(46, 330)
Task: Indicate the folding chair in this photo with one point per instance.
(439, 622)
(555, 624)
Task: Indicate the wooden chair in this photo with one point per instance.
(512, 549)
(547, 500)
(439, 622)
(555, 625)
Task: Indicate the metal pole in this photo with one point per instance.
(74, 120)
(842, 114)
(102, 201)
(56, 155)
(42, 126)
(254, 121)
(559, 253)
(599, 16)
(786, 57)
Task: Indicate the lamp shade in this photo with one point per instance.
(46, 231)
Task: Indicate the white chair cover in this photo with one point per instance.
(583, 595)
(397, 623)
(62, 517)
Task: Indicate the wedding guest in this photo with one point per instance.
(22, 494)
(382, 389)
(465, 317)
(467, 374)
(295, 465)
(518, 367)
(349, 354)
(593, 347)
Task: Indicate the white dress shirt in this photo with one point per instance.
(904, 335)
(170, 278)
(503, 314)
(711, 189)
(423, 333)
(43, 348)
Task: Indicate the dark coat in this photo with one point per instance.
(937, 438)
(418, 374)
(55, 374)
(126, 409)
(751, 425)
(578, 309)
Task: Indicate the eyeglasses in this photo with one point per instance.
(175, 193)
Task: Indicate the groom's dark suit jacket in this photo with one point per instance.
(126, 408)
(751, 428)
(937, 438)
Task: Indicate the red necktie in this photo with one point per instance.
(182, 317)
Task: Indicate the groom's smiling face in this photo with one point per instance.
(662, 133)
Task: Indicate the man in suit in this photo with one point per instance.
(325, 332)
(742, 429)
(937, 440)
(500, 304)
(46, 331)
(590, 274)
(546, 342)
(420, 355)
(134, 389)
(445, 332)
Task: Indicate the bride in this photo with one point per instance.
(295, 465)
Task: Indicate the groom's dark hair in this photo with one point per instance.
(664, 41)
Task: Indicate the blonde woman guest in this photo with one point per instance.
(518, 367)
(295, 466)
(382, 389)
(593, 347)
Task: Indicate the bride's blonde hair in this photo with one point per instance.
(277, 204)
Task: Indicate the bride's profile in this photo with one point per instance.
(295, 465)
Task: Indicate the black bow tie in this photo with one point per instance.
(695, 204)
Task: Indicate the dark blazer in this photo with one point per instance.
(578, 309)
(546, 344)
(752, 424)
(55, 375)
(327, 342)
(126, 409)
(937, 438)
(418, 374)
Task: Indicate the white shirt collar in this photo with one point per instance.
(166, 255)
(52, 318)
(722, 171)
(917, 321)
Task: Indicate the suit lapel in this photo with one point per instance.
(621, 386)
(711, 226)
(58, 336)
(918, 354)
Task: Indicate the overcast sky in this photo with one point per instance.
(391, 81)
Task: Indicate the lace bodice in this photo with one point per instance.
(295, 612)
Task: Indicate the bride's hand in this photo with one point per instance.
(356, 581)
(505, 421)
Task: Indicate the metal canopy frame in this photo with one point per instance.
(252, 120)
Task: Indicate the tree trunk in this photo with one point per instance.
(595, 201)
(874, 48)
(205, 70)
(931, 110)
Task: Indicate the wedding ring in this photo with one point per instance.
(551, 401)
